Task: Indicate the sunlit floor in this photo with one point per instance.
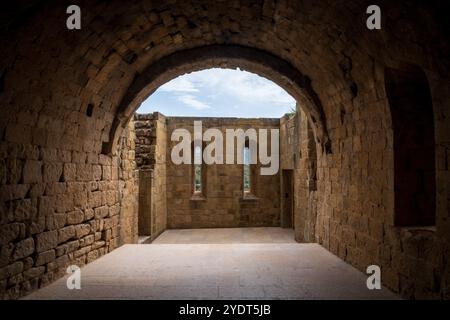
(205, 266)
(227, 235)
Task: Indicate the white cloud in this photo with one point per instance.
(246, 86)
(225, 91)
(192, 102)
(241, 85)
(180, 84)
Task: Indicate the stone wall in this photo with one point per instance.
(289, 155)
(222, 203)
(355, 194)
(298, 153)
(151, 144)
(289, 140)
(58, 208)
(306, 206)
(128, 187)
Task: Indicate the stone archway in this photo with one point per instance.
(224, 56)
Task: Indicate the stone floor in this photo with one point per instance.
(227, 235)
(260, 266)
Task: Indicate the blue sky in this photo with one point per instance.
(220, 93)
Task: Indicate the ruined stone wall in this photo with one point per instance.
(289, 155)
(159, 185)
(128, 187)
(289, 141)
(222, 203)
(298, 153)
(145, 145)
(151, 145)
(306, 205)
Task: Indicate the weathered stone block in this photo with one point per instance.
(18, 133)
(111, 198)
(62, 262)
(106, 175)
(80, 199)
(81, 252)
(32, 171)
(25, 209)
(69, 172)
(108, 223)
(52, 172)
(98, 236)
(23, 249)
(114, 210)
(49, 154)
(66, 233)
(101, 212)
(46, 205)
(95, 199)
(14, 173)
(45, 257)
(82, 230)
(46, 240)
(12, 269)
(33, 272)
(97, 172)
(67, 248)
(75, 187)
(56, 221)
(55, 188)
(104, 160)
(6, 251)
(92, 256)
(10, 232)
(88, 214)
(87, 240)
(98, 244)
(15, 279)
(28, 262)
(84, 172)
(13, 192)
(75, 217)
(106, 235)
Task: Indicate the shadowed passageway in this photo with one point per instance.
(364, 175)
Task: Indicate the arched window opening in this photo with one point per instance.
(247, 173)
(197, 170)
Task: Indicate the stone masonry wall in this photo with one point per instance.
(128, 187)
(306, 205)
(298, 153)
(59, 208)
(151, 141)
(222, 203)
(289, 156)
(289, 141)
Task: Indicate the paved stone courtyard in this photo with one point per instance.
(269, 265)
(226, 235)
